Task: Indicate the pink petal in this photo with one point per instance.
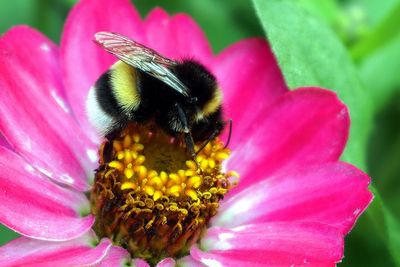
(177, 37)
(167, 262)
(36, 119)
(330, 193)
(140, 263)
(303, 127)
(82, 61)
(250, 79)
(3, 141)
(116, 256)
(30, 252)
(35, 207)
(272, 244)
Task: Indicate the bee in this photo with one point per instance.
(181, 97)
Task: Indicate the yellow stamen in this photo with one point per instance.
(152, 197)
(128, 185)
(117, 165)
(191, 165)
(127, 141)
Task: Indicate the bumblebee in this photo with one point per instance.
(181, 97)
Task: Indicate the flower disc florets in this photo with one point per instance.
(150, 197)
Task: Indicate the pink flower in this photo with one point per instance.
(294, 203)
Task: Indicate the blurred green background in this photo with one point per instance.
(368, 31)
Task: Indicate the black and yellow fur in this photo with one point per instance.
(127, 94)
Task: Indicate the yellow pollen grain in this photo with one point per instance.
(117, 146)
(191, 165)
(163, 177)
(192, 194)
(232, 174)
(156, 182)
(142, 172)
(199, 158)
(181, 173)
(138, 147)
(128, 173)
(117, 165)
(120, 155)
(190, 172)
(127, 141)
(128, 185)
(136, 137)
(127, 156)
(149, 190)
(207, 149)
(175, 190)
(211, 163)
(152, 173)
(204, 164)
(140, 159)
(221, 156)
(157, 194)
(194, 182)
(174, 178)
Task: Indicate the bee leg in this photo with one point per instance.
(187, 134)
(190, 146)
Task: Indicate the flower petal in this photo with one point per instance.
(331, 193)
(176, 37)
(34, 206)
(3, 141)
(167, 262)
(140, 263)
(116, 256)
(38, 119)
(30, 252)
(250, 80)
(305, 126)
(82, 61)
(272, 244)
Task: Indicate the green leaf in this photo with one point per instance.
(326, 10)
(376, 10)
(234, 19)
(6, 235)
(380, 71)
(310, 54)
(384, 32)
(386, 224)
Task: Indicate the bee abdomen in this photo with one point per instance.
(105, 96)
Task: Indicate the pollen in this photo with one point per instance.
(151, 197)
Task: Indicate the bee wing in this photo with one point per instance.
(141, 57)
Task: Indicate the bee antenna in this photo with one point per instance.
(230, 133)
(214, 134)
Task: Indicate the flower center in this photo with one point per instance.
(151, 198)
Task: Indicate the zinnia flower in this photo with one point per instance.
(293, 204)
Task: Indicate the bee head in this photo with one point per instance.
(200, 82)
